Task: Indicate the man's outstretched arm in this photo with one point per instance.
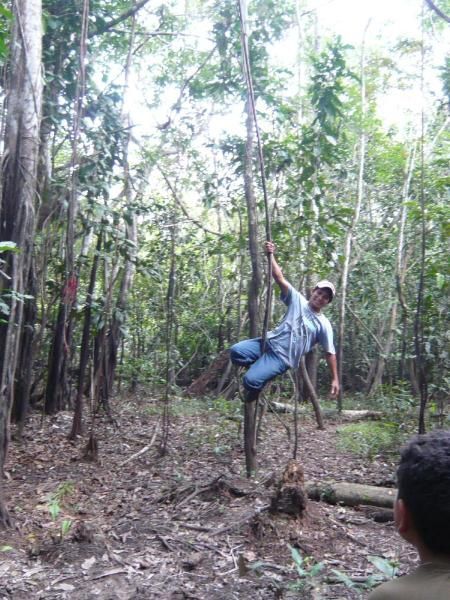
(277, 273)
(332, 365)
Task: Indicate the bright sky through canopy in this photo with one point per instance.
(389, 22)
(389, 18)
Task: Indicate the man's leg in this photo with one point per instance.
(268, 366)
(245, 353)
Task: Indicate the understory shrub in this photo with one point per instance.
(370, 438)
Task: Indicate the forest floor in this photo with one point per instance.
(174, 527)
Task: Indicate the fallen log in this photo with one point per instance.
(351, 494)
(347, 415)
(359, 415)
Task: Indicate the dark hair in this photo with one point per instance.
(423, 477)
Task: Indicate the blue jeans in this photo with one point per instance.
(263, 367)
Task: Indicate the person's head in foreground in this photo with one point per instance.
(422, 507)
(422, 517)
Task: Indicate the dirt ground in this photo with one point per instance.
(187, 525)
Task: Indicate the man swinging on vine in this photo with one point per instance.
(302, 327)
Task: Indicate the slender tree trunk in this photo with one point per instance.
(170, 318)
(250, 408)
(77, 422)
(402, 260)
(355, 219)
(381, 360)
(25, 362)
(311, 364)
(170, 371)
(252, 216)
(101, 391)
(419, 336)
(17, 223)
(373, 364)
(312, 394)
(241, 279)
(301, 62)
(220, 293)
(54, 389)
(57, 383)
(250, 437)
(114, 337)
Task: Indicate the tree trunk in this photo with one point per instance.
(77, 423)
(250, 437)
(170, 319)
(373, 364)
(381, 360)
(57, 383)
(239, 309)
(400, 278)
(402, 260)
(220, 290)
(351, 230)
(170, 305)
(101, 391)
(56, 379)
(18, 198)
(252, 216)
(419, 335)
(114, 337)
(250, 408)
(312, 394)
(25, 363)
(311, 364)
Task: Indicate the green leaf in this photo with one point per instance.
(65, 527)
(331, 140)
(8, 247)
(297, 558)
(3, 48)
(345, 579)
(383, 565)
(315, 569)
(256, 565)
(4, 12)
(4, 308)
(54, 509)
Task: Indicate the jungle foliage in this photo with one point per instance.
(137, 271)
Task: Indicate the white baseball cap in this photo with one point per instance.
(326, 284)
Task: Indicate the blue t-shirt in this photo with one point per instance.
(300, 329)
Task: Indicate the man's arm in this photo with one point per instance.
(332, 365)
(277, 273)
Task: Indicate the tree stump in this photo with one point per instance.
(210, 377)
(290, 496)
